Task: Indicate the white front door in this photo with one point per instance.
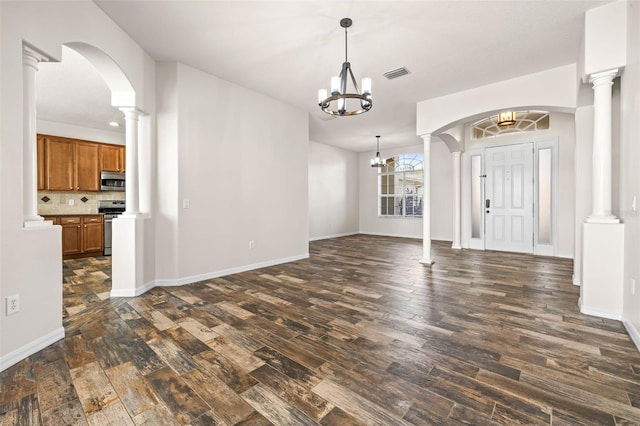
(509, 198)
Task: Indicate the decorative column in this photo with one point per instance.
(601, 167)
(132, 196)
(602, 287)
(457, 190)
(426, 203)
(30, 60)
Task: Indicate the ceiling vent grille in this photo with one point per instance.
(398, 72)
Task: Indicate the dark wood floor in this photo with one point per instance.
(359, 334)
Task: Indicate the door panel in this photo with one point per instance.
(509, 189)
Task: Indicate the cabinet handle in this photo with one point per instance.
(93, 220)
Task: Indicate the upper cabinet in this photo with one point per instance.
(66, 164)
(59, 164)
(112, 158)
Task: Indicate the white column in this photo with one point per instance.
(426, 203)
(601, 167)
(457, 190)
(30, 59)
(132, 197)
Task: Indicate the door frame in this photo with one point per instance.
(478, 242)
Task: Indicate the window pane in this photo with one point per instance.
(476, 197)
(401, 185)
(544, 196)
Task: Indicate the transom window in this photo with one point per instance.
(525, 121)
(400, 186)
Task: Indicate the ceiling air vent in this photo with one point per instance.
(398, 72)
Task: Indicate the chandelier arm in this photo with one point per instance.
(346, 69)
(353, 79)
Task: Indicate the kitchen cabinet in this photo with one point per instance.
(66, 164)
(59, 164)
(87, 170)
(112, 158)
(41, 163)
(71, 235)
(92, 234)
(82, 235)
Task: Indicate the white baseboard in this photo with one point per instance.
(31, 348)
(137, 292)
(326, 237)
(575, 280)
(599, 313)
(392, 235)
(222, 273)
(633, 333)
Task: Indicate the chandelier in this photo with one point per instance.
(340, 102)
(377, 161)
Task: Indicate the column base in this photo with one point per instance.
(602, 286)
(456, 246)
(602, 219)
(127, 259)
(426, 261)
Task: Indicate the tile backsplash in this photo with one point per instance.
(59, 203)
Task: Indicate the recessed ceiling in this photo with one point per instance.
(288, 50)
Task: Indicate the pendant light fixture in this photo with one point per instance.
(339, 102)
(506, 118)
(377, 161)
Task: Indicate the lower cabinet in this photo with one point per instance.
(82, 236)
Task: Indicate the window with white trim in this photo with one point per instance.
(401, 186)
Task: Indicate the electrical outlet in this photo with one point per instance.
(186, 204)
(71, 201)
(252, 245)
(13, 304)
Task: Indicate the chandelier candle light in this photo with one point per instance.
(377, 161)
(336, 103)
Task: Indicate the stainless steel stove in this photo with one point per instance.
(110, 209)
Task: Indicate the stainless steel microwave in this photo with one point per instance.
(112, 181)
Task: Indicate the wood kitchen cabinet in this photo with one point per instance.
(41, 163)
(87, 167)
(112, 158)
(71, 235)
(66, 164)
(92, 234)
(59, 164)
(82, 235)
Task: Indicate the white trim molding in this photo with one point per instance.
(326, 237)
(203, 277)
(31, 348)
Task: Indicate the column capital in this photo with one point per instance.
(130, 112)
(31, 56)
(604, 77)
(426, 138)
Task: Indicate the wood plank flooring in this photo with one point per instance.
(358, 334)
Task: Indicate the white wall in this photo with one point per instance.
(242, 161)
(441, 196)
(630, 172)
(30, 258)
(333, 191)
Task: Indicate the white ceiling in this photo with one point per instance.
(288, 50)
